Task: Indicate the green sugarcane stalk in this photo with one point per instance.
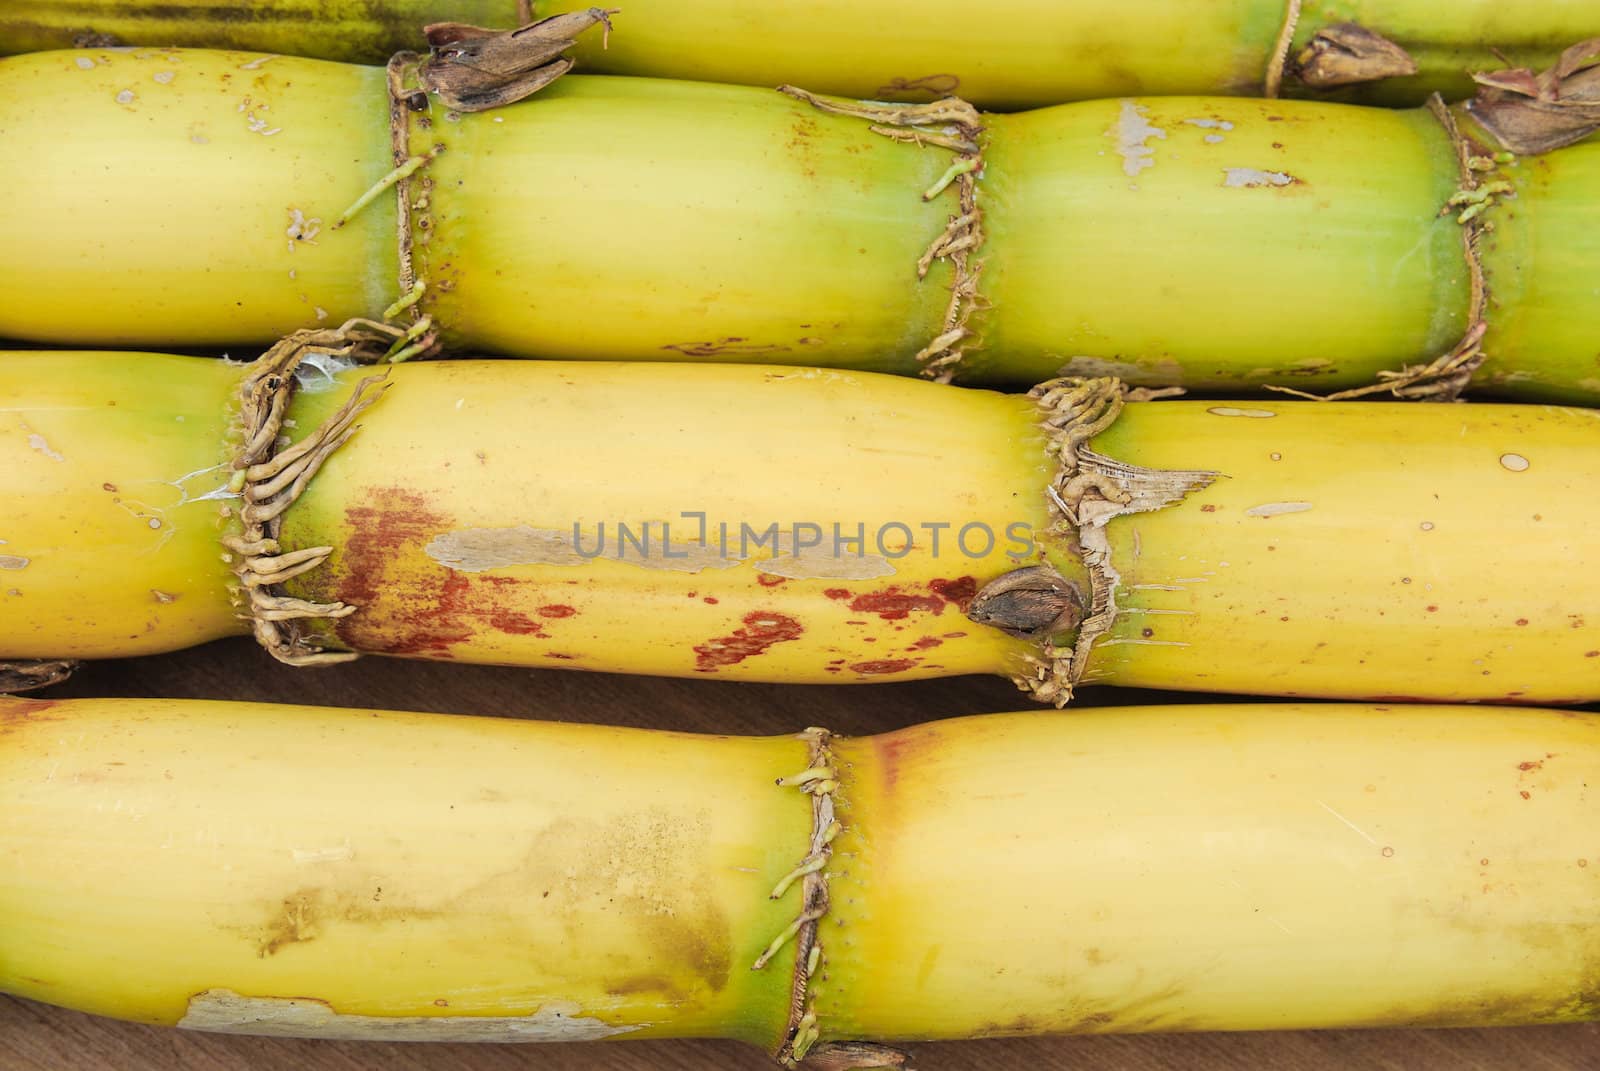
(210, 198)
(1026, 53)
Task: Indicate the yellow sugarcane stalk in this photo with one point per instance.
(751, 523)
(1024, 55)
(215, 198)
(300, 871)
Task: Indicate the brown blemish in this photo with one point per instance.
(883, 666)
(929, 86)
(721, 347)
(895, 604)
(296, 920)
(761, 630)
(164, 597)
(902, 751)
(557, 610)
(710, 601)
(892, 604)
(405, 608)
(926, 643)
(109, 487)
(960, 591)
(837, 593)
(18, 714)
(1534, 764)
(767, 580)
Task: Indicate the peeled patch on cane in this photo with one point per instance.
(1132, 134)
(1251, 178)
(1277, 509)
(1238, 411)
(223, 1011)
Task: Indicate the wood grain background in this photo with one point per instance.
(35, 1037)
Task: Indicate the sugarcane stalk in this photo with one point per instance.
(218, 198)
(366, 31)
(751, 523)
(376, 875)
(1030, 54)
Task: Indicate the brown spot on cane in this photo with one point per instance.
(926, 643)
(762, 629)
(767, 580)
(725, 347)
(883, 667)
(422, 613)
(959, 592)
(18, 714)
(895, 604)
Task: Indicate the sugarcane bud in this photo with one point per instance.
(28, 676)
(1031, 603)
(1348, 54)
(474, 69)
(1532, 113)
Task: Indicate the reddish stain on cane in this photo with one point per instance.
(896, 604)
(767, 580)
(883, 666)
(556, 610)
(405, 610)
(761, 630)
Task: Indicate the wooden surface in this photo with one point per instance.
(34, 1037)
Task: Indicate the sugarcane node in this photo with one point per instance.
(1088, 492)
(953, 124)
(473, 69)
(1030, 603)
(1278, 62)
(1530, 113)
(30, 676)
(1447, 375)
(1348, 54)
(272, 474)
